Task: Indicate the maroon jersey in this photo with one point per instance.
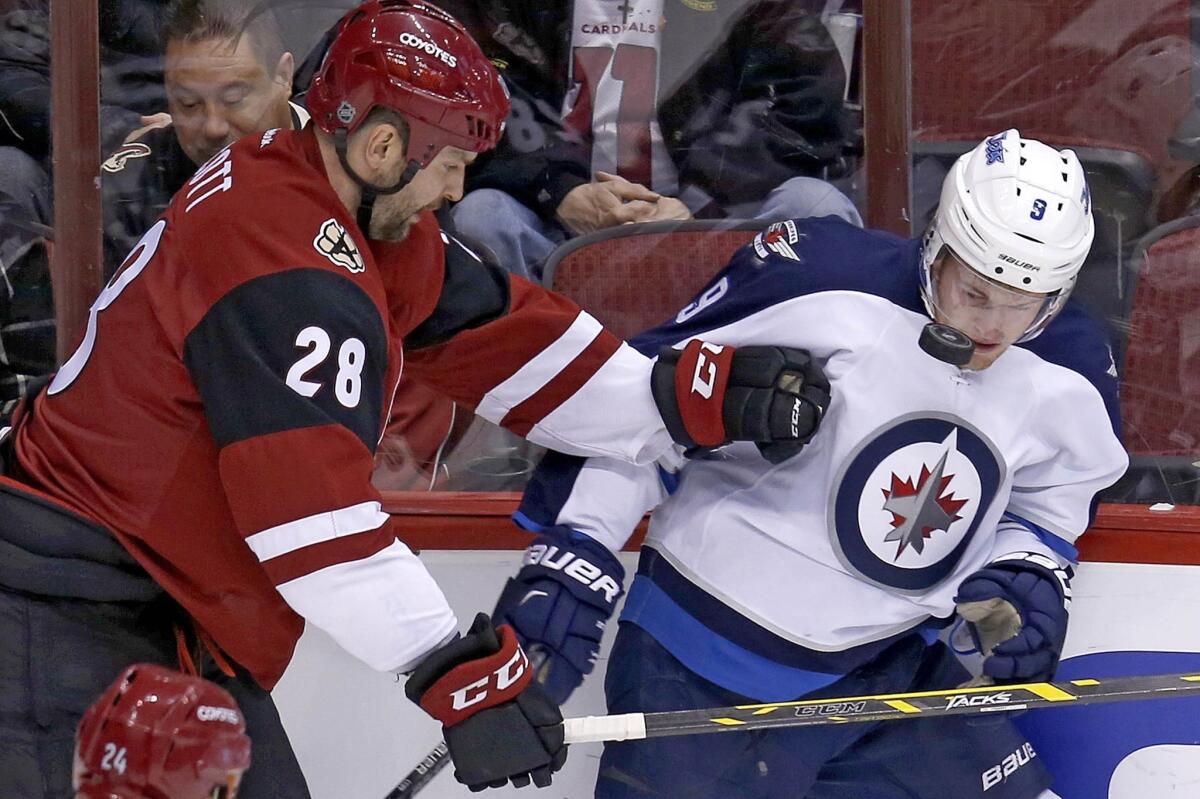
(221, 413)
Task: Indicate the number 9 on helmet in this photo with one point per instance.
(159, 734)
(1018, 213)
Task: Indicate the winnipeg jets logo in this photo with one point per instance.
(919, 508)
(908, 501)
(779, 238)
(334, 243)
(117, 161)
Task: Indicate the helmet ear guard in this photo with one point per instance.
(1017, 212)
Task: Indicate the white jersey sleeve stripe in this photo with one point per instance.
(285, 538)
(385, 609)
(575, 427)
(539, 371)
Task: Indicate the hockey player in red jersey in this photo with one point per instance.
(159, 734)
(195, 482)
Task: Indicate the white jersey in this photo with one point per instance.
(764, 577)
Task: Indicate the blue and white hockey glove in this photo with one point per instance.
(1017, 608)
(559, 603)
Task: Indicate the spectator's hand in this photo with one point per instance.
(641, 211)
(160, 120)
(669, 208)
(643, 208)
(607, 202)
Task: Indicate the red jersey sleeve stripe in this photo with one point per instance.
(291, 536)
(540, 370)
(569, 380)
(311, 559)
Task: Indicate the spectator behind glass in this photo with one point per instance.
(749, 108)
(227, 76)
(130, 71)
(26, 331)
(130, 86)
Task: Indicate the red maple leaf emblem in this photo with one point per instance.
(773, 235)
(909, 488)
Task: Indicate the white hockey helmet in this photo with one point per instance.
(1017, 212)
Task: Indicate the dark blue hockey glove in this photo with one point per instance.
(1017, 609)
(559, 603)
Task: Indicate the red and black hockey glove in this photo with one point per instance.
(710, 395)
(498, 725)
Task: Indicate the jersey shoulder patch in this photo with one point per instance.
(796, 258)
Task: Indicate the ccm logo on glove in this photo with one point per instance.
(502, 678)
(551, 557)
(705, 377)
(484, 669)
(710, 394)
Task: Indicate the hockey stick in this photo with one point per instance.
(843, 710)
(425, 771)
(885, 707)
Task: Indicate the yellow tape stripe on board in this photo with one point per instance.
(1047, 691)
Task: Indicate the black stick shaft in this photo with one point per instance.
(424, 771)
(842, 710)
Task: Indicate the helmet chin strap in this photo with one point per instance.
(370, 191)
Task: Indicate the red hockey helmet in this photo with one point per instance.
(159, 734)
(417, 60)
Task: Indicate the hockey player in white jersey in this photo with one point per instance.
(955, 467)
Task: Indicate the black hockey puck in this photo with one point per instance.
(947, 344)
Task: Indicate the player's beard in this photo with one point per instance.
(392, 217)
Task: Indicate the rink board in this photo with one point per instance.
(357, 735)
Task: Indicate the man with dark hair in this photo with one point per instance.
(226, 75)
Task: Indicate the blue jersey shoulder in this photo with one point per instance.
(792, 259)
(1078, 341)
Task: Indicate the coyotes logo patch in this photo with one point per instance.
(334, 243)
(117, 161)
